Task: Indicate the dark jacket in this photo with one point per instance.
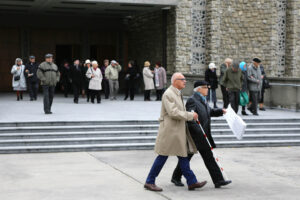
(65, 75)
(76, 75)
(211, 78)
(103, 68)
(245, 82)
(32, 68)
(263, 73)
(196, 103)
(130, 76)
(233, 80)
(223, 69)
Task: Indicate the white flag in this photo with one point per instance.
(236, 123)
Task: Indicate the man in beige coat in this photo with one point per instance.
(173, 137)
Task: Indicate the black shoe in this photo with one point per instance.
(125, 98)
(76, 102)
(262, 109)
(99, 102)
(31, 99)
(255, 114)
(49, 112)
(244, 113)
(18, 98)
(21, 97)
(177, 182)
(222, 183)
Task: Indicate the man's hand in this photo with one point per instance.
(92, 76)
(224, 111)
(26, 70)
(195, 116)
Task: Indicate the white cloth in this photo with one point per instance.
(235, 122)
(95, 83)
(148, 79)
(21, 83)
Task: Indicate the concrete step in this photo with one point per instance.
(136, 146)
(34, 129)
(66, 134)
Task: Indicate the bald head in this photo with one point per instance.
(178, 80)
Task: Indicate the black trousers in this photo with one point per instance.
(105, 88)
(48, 92)
(262, 94)
(97, 94)
(159, 94)
(147, 94)
(210, 163)
(76, 91)
(254, 99)
(234, 98)
(130, 90)
(67, 88)
(33, 88)
(225, 96)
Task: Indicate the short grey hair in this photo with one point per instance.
(228, 60)
(174, 76)
(196, 88)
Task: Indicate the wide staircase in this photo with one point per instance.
(36, 137)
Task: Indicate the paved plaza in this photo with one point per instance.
(65, 110)
(257, 173)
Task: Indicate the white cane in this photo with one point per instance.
(212, 150)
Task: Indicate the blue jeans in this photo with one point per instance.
(184, 165)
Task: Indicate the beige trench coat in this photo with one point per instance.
(173, 137)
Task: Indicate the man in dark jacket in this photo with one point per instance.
(65, 79)
(233, 80)
(32, 80)
(198, 104)
(77, 79)
(49, 75)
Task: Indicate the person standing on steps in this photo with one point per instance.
(243, 67)
(197, 103)
(49, 75)
(173, 137)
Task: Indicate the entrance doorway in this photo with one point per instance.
(101, 52)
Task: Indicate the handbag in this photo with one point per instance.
(18, 77)
(244, 99)
(266, 83)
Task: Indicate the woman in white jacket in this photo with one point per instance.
(148, 80)
(18, 80)
(95, 76)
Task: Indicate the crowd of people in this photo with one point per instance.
(87, 79)
(241, 85)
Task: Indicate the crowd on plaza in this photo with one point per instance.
(240, 85)
(87, 79)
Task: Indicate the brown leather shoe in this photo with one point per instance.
(197, 185)
(152, 187)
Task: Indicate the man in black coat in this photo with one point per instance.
(77, 79)
(197, 103)
(32, 80)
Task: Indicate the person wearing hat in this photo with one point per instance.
(173, 137)
(198, 103)
(18, 80)
(232, 80)
(49, 75)
(32, 81)
(254, 84)
(212, 79)
(243, 67)
(86, 80)
(105, 82)
(112, 74)
(95, 76)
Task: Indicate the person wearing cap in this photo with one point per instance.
(32, 81)
(243, 67)
(148, 80)
(95, 76)
(77, 79)
(160, 79)
(233, 80)
(86, 80)
(254, 84)
(173, 137)
(198, 103)
(105, 82)
(18, 80)
(112, 74)
(212, 79)
(49, 75)
(227, 64)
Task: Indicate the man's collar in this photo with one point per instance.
(176, 90)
